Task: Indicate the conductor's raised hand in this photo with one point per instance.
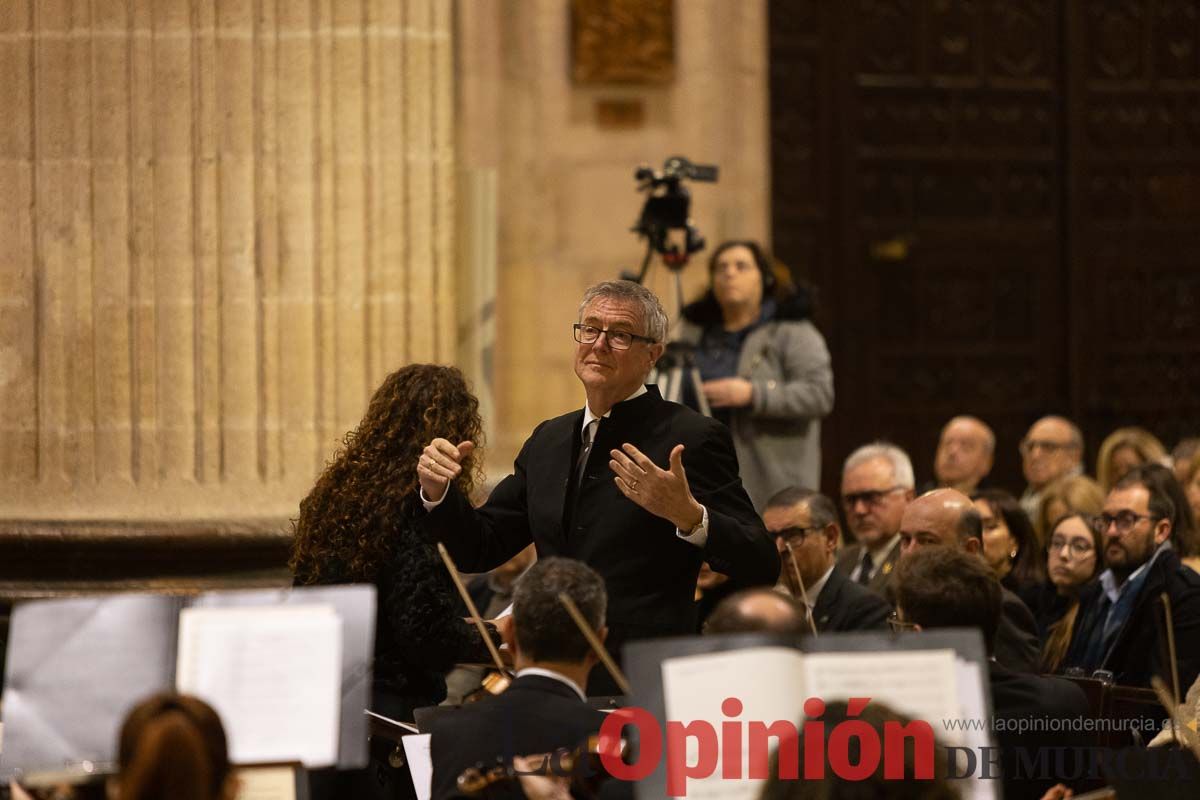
(662, 492)
(440, 463)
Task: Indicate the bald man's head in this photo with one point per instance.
(760, 610)
(943, 517)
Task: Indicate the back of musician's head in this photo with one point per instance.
(757, 610)
(544, 629)
(940, 587)
(173, 747)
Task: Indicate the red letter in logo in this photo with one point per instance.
(760, 750)
(678, 770)
(731, 740)
(814, 739)
(869, 745)
(649, 743)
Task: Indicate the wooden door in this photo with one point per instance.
(937, 235)
(1133, 200)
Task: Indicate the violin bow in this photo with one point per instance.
(808, 611)
(478, 620)
(597, 645)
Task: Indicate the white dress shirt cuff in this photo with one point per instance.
(699, 536)
(431, 505)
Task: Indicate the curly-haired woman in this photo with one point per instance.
(360, 524)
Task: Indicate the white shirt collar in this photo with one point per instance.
(588, 416)
(558, 676)
(814, 591)
(1108, 581)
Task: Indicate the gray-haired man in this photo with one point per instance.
(640, 489)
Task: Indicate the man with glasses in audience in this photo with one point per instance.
(1121, 618)
(877, 483)
(639, 489)
(804, 524)
(1052, 449)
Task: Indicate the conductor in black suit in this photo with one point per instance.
(804, 524)
(545, 708)
(640, 489)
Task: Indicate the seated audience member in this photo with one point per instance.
(964, 454)
(1183, 522)
(1119, 620)
(1191, 490)
(875, 786)
(946, 518)
(1074, 494)
(1010, 546)
(545, 707)
(1124, 449)
(173, 747)
(939, 587)
(1052, 449)
(758, 610)
(1182, 456)
(877, 483)
(804, 524)
(1073, 560)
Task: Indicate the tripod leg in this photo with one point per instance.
(701, 400)
(673, 391)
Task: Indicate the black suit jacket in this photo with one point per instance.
(881, 581)
(536, 715)
(843, 605)
(1020, 696)
(1016, 645)
(1139, 651)
(650, 573)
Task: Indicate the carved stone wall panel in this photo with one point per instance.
(222, 224)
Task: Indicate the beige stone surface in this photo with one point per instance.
(565, 185)
(221, 225)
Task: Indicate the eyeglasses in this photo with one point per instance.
(870, 499)
(1124, 520)
(1029, 445)
(898, 624)
(1077, 547)
(617, 340)
(794, 535)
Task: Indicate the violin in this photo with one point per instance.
(582, 764)
(494, 682)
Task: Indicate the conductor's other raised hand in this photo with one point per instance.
(440, 463)
(662, 492)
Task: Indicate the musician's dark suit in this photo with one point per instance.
(650, 572)
(843, 605)
(536, 715)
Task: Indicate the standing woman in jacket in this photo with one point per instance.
(764, 368)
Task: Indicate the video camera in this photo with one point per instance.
(667, 208)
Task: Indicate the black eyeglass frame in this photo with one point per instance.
(614, 337)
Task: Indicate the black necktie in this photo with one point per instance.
(864, 570)
(585, 449)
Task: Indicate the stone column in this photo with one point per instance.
(221, 224)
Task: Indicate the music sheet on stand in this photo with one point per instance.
(695, 686)
(272, 673)
(931, 685)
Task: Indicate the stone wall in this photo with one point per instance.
(565, 175)
(221, 224)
